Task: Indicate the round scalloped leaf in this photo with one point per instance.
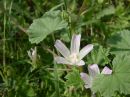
(120, 42)
(50, 22)
(119, 81)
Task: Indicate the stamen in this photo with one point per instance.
(73, 58)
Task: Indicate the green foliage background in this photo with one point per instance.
(25, 24)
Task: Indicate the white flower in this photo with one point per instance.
(33, 55)
(72, 56)
(93, 72)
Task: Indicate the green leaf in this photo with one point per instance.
(119, 81)
(100, 1)
(120, 42)
(64, 37)
(50, 22)
(107, 11)
(74, 79)
(30, 92)
(98, 56)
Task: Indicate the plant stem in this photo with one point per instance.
(56, 80)
(52, 69)
(4, 37)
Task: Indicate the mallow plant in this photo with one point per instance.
(57, 61)
(87, 71)
(75, 57)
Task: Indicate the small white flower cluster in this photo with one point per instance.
(33, 54)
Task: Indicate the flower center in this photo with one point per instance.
(73, 58)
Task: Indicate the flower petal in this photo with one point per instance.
(93, 70)
(106, 70)
(85, 51)
(85, 77)
(75, 44)
(34, 51)
(88, 86)
(62, 48)
(87, 80)
(61, 60)
(81, 63)
(29, 54)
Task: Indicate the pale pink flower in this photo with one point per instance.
(72, 56)
(93, 72)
